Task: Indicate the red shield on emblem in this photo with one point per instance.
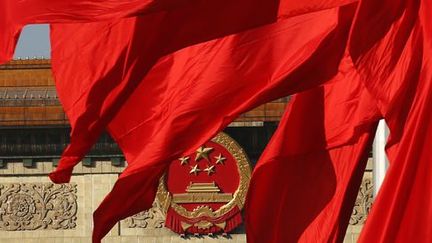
(204, 192)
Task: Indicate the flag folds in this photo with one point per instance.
(165, 82)
(314, 164)
(16, 14)
(395, 63)
(171, 92)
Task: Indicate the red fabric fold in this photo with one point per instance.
(311, 170)
(218, 71)
(94, 95)
(14, 15)
(394, 59)
(153, 97)
(157, 117)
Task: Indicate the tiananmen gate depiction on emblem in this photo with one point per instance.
(204, 192)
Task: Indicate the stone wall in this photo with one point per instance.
(34, 210)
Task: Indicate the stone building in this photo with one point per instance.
(33, 132)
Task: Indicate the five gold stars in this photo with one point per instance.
(184, 160)
(194, 170)
(220, 159)
(203, 152)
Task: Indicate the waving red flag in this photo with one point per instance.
(311, 170)
(15, 14)
(183, 120)
(167, 112)
(94, 95)
(394, 59)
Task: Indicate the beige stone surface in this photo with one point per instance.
(91, 189)
(130, 239)
(16, 168)
(93, 183)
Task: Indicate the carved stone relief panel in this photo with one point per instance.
(32, 206)
(153, 218)
(363, 202)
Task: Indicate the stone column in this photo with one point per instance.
(380, 160)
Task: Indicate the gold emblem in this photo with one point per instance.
(209, 192)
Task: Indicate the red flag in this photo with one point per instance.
(304, 186)
(169, 112)
(15, 14)
(94, 95)
(394, 59)
(192, 120)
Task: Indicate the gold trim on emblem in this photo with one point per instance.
(236, 199)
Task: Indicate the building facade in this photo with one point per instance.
(33, 132)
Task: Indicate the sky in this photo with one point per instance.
(34, 42)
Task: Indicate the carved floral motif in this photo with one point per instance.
(153, 218)
(363, 203)
(37, 206)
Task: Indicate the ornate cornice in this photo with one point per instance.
(27, 64)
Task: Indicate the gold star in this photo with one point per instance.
(184, 160)
(202, 152)
(220, 159)
(210, 170)
(194, 170)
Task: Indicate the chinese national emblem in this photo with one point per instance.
(204, 192)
